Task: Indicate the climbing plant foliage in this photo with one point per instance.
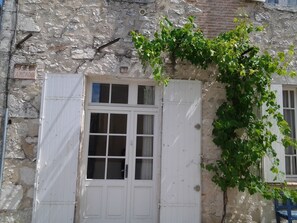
(243, 135)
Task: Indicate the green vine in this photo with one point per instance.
(243, 136)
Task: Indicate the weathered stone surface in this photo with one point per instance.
(262, 17)
(11, 196)
(27, 24)
(11, 173)
(13, 149)
(27, 175)
(5, 37)
(19, 107)
(21, 216)
(85, 54)
(66, 34)
(246, 208)
(29, 150)
(30, 193)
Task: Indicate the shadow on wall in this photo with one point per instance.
(243, 207)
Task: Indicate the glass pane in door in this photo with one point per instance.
(97, 145)
(144, 169)
(100, 92)
(144, 146)
(117, 146)
(118, 123)
(96, 168)
(146, 95)
(98, 123)
(115, 168)
(145, 124)
(119, 93)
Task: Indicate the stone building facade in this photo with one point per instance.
(40, 37)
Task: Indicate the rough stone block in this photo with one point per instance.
(33, 127)
(137, 1)
(19, 108)
(29, 150)
(5, 38)
(11, 196)
(83, 54)
(30, 193)
(11, 172)
(13, 149)
(24, 103)
(27, 24)
(4, 65)
(27, 175)
(20, 216)
(29, 147)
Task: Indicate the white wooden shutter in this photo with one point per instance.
(181, 146)
(279, 148)
(59, 139)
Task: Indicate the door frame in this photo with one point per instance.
(126, 108)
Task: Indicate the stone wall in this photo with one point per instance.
(65, 39)
(22, 130)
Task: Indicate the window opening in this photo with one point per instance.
(292, 2)
(272, 1)
(289, 110)
(283, 2)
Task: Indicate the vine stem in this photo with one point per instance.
(225, 202)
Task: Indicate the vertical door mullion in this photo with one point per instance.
(87, 141)
(157, 162)
(128, 145)
(107, 145)
(131, 152)
(133, 145)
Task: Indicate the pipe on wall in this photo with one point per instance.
(5, 107)
(3, 147)
(1, 11)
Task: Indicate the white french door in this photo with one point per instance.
(121, 165)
